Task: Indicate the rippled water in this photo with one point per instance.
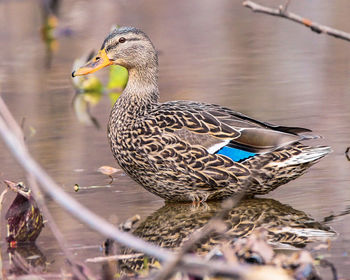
(210, 51)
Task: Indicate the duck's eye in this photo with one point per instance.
(122, 40)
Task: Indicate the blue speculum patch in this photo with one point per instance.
(235, 154)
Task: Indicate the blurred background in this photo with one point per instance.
(210, 51)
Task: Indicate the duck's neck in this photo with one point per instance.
(141, 91)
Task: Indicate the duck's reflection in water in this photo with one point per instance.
(171, 225)
(26, 259)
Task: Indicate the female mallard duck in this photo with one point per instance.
(191, 151)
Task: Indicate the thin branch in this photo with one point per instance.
(6, 114)
(314, 26)
(196, 265)
(326, 263)
(54, 228)
(114, 258)
(70, 204)
(2, 269)
(1, 201)
(347, 153)
(41, 276)
(12, 124)
(285, 7)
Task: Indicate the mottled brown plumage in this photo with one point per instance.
(171, 148)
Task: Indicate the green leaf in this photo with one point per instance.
(91, 84)
(118, 77)
(113, 96)
(92, 97)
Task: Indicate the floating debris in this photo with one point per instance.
(24, 219)
(109, 171)
(78, 170)
(78, 188)
(129, 223)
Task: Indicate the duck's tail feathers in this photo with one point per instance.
(314, 154)
(308, 155)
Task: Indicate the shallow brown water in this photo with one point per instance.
(211, 51)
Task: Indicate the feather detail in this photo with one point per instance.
(213, 149)
(235, 154)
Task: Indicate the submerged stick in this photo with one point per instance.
(282, 12)
(347, 153)
(114, 258)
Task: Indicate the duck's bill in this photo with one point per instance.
(98, 62)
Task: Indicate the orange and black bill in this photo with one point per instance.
(98, 62)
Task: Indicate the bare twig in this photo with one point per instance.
(54, 228)
(347, 153)
(66, 201)
(284, 8)
(326, 263)
(6, 114)
(334, 216)
(12, 124)
(314, 26)
(70, 204)
(41, 276)
(196, 265)
(3, 272)
(114, 258)
(2, 197)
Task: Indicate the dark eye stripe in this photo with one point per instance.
(117, 43)
(112, 46)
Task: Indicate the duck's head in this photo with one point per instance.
(125, 46)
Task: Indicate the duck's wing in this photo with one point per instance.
(215, 127)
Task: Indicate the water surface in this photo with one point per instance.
(210, 51)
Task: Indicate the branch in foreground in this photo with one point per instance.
(314, 26)
(70, 204)
(197, 265)
(38, 197)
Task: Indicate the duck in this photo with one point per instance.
(187, 150)
(172, 225)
